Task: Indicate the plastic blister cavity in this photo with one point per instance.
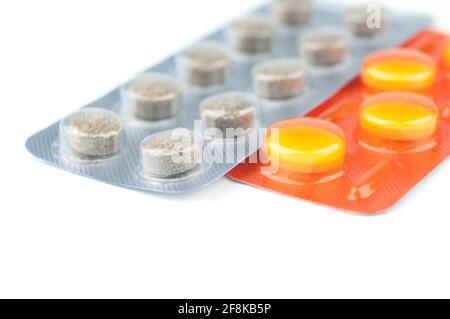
(325, 48)
(364, 150)
(91, 135)
(279, 79)
(305, 147)
(151, 97)
(229, 115)
(180, 92)
(172, 154)
(204, 66)
(399, 69)
(292, 13)
(252, 36)
(399, 116)
(366, 20)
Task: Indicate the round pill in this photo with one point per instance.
(365, 20)
(279, 79)
(306, 146)
(152, 97)
(94, 132)
(170, 153)
(204, 66)
(325, 48)
(230, 114)
(292, 13)
(399, 116)
(252, 35)
(399, 70)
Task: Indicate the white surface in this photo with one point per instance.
(63, 235)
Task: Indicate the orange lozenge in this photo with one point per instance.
(306, 146)
(399, 70)
(399, 116)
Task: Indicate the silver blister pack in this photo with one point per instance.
(187, 121)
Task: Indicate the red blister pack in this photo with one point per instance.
(371, 143)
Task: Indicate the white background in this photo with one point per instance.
(66, 236)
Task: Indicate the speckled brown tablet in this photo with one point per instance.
(153, 98)
(363, 23)
(279, 79)
(252, 35)
(324, 48)
(170, 153)
(292, 13)
(204, 66)
(228, 113)
(95, 133)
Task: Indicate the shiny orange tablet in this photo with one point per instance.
(399, 70)
(399, 116)
(306, 146)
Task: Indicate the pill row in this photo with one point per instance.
(390, 123)
(95, 135)
(255, 35)
(155, 97)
